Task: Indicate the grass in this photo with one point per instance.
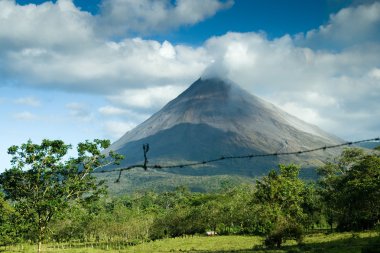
(317, 243)
(202, 244)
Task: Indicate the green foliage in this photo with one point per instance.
(283, 205)
(8, 232)
(136, 180)
(42, 183)
(351, 190)
(284, 230)
(180, 214)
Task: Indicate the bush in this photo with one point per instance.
(284, 232)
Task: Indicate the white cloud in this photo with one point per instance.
(317, 86)
(25, 116)
(334, 87)
(148, 98)
(115, 129)
(131, 62)
(347, 28)
(305, 113)
(154, 16)
(48, 25)
(111, 110)
(29, 101)
(67, 53)
(167, 50)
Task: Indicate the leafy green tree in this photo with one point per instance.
(212, 214)
(350, 187)
(8, 232)
(238, 209)
(42, 182)
(66, 226)
(280, 200)
(181, 220)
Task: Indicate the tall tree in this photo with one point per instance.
(282, 208)
(350, 187)
(42, 182)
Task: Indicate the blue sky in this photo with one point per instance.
(84, 69)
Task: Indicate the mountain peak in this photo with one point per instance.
(215, 117)
(213, 95)
(213, 83)
(208, 87)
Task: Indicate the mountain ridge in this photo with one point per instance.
(239, 122)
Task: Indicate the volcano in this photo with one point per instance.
(214, 118)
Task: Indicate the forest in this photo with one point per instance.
(45, 198)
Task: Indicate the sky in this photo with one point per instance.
(85, 69)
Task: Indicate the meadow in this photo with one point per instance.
(366, 242)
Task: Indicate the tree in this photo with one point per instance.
(8, 233)
(350, 187)
(282, 209)
(42, 182)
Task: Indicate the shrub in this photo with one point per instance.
(283, 232)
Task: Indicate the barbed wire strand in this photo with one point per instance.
(192, 164)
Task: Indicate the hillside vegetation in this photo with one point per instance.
(138, 180)
(48, 203)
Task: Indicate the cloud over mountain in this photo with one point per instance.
(329, 75)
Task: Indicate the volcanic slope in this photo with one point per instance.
(215, 118)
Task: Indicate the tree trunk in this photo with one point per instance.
(40, 237)
(39, 246)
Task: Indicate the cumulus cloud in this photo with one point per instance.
(132, 62)
(347, 28)
(154, 16)
(69, 53)
(328, 76)
(47, 25)
(317, 86)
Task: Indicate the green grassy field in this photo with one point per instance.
(317, 243)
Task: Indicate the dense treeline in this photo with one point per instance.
(279, 206)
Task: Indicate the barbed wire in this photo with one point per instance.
(145, 165)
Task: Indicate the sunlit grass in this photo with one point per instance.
(216, 243)
(317, 243)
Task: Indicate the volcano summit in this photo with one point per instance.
(215, 118)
